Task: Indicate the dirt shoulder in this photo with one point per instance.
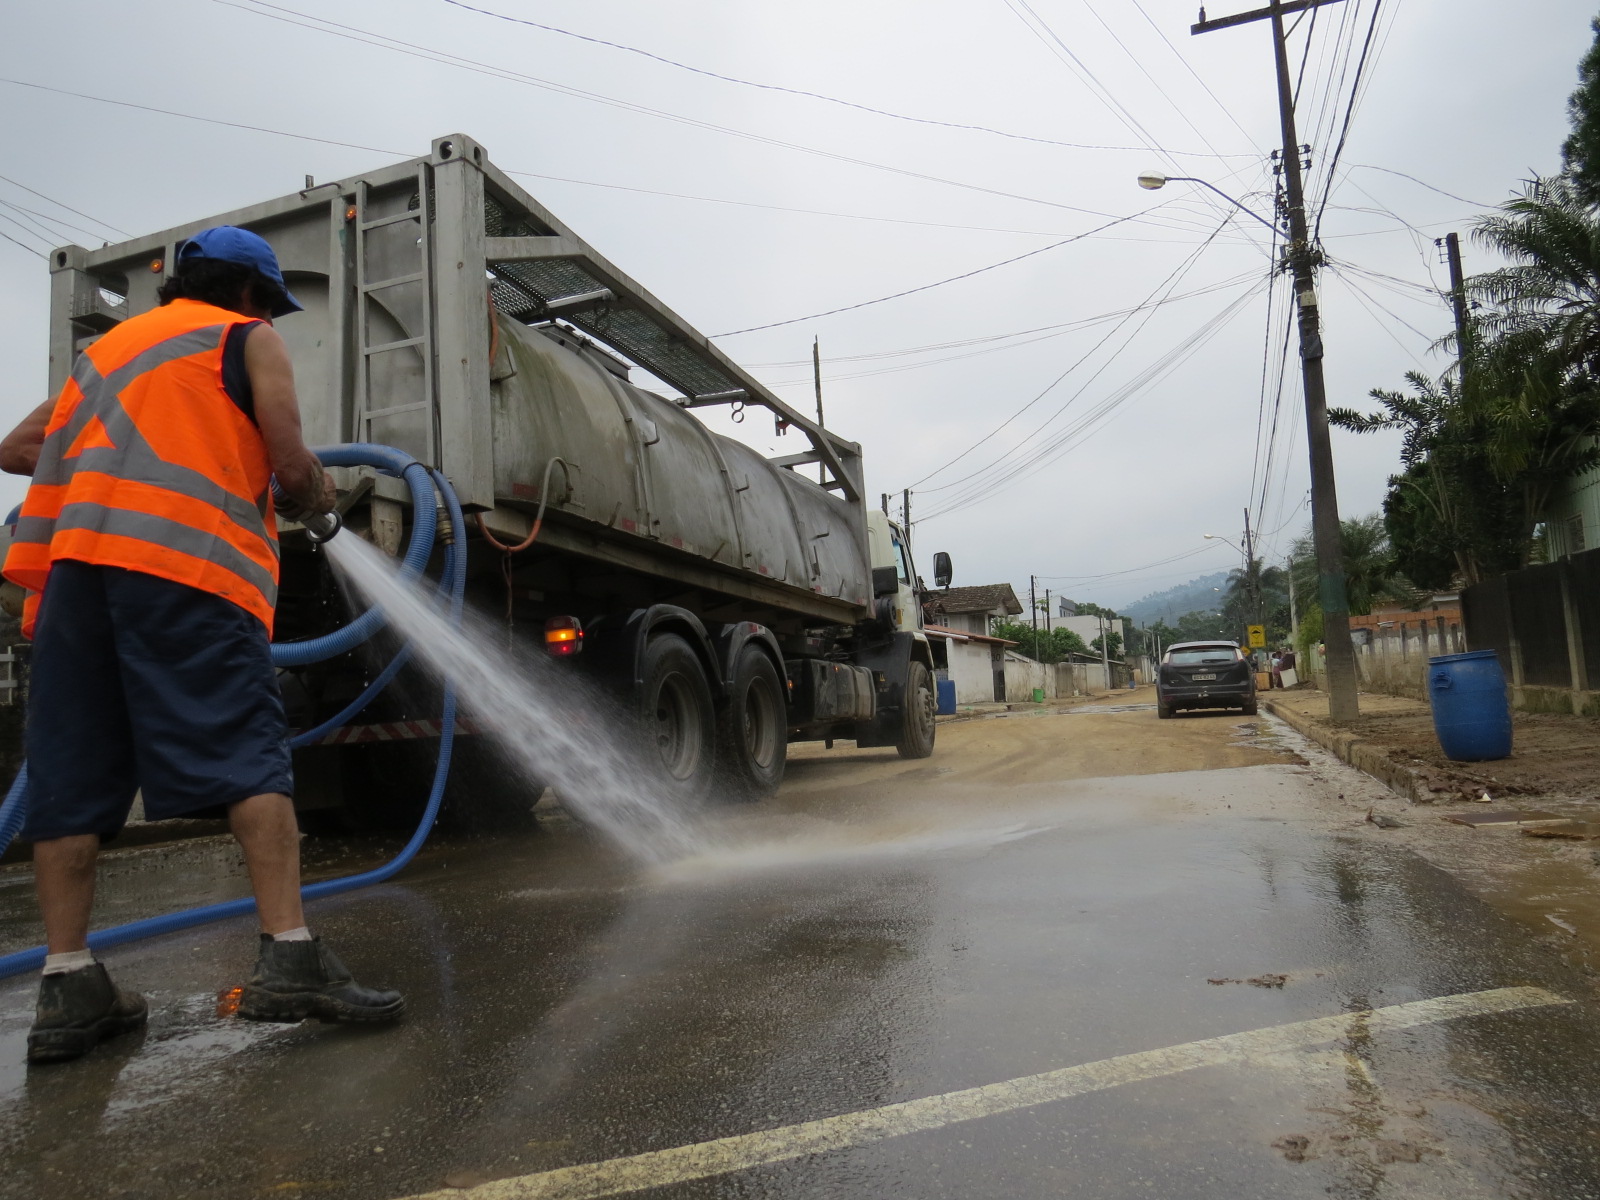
(1550, 883)
(1553, 757)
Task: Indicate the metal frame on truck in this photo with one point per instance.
(451, 315)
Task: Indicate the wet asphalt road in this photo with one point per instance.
(880, 933)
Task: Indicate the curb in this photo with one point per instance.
(1358, 752)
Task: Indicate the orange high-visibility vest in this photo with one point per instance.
(149, 465)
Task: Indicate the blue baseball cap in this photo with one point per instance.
(229, 243)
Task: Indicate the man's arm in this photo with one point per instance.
(299, 471)
(19, 451)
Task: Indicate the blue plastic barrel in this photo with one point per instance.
(946, 689)
(1471, 714)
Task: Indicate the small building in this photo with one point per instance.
(975, 659)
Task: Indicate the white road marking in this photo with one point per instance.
(702, 1160)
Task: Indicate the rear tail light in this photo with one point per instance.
(563, 637)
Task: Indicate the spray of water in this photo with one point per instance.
(545, 721)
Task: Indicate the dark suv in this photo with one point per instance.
(1205, 675)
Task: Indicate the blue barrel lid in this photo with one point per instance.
(1469, 656)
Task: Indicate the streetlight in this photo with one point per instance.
(1301, 257)
(1154, 181)
(1217, 537)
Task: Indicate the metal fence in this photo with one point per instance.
(1543, 621)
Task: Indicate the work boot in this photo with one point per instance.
(76, 1010)
(296, 980)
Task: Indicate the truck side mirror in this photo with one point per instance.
(885, 582)
(942, 571)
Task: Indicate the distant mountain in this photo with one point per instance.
(1194, 596)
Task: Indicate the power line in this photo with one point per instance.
(1420, 183)
(397, 46)
(1085, 426)
(1349, 113)
(59, 204)
(927, 286)
(1198, 77)
(1169, 282)
(792, 91)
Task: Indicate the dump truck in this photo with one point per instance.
(732, 603)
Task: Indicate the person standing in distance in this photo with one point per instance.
(148, 543)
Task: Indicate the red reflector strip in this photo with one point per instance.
(391, 731)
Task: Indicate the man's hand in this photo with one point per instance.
(19, 451)
(295, 509)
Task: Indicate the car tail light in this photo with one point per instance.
(563, 637)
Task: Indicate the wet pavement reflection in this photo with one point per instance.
(849, 952)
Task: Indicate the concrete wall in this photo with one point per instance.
(972, 671)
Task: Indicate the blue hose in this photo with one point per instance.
(422, 482)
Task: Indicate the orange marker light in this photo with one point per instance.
(563, 636)
(155, 265)
(228, 1001)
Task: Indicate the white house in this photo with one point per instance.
(975, 660)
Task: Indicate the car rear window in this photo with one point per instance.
(1203, 654)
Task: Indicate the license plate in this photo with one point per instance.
(1198, 678)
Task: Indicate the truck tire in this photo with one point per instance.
(752, 736)
(917, 713)
(677, 721)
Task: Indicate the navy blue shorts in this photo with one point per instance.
(142, 683)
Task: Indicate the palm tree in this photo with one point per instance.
(1547, 300)
(1370, 575)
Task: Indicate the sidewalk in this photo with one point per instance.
(1394, 741)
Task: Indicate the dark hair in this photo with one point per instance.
(214, 281)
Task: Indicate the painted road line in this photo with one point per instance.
(702, 1160)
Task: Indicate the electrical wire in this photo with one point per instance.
(1160, 562)
(1420, 183)
(1169, 283)
(1006, 262)
(397, 46)
(1073, 435)
(1197, 76)
(1349, 113)
(791, 91)
(75, 212)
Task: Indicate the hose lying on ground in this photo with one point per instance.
(422, 481)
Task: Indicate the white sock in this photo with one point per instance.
(72, 960)
(300, 934)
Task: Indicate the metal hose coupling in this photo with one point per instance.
(321, 527)
(446, 528)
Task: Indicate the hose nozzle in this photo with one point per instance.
(320, 527)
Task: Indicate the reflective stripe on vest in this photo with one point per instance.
(103, 493)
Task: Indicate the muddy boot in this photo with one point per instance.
(296, 980)
(78, 1009)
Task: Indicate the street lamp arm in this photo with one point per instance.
(1152, 181)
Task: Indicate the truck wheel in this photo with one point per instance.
(917, 723)
(676, 717)
(752, 736)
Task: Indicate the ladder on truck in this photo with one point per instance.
(396, 376)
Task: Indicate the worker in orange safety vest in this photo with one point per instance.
(148, 544)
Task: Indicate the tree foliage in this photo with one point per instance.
(1581, 151)
(1039, 645)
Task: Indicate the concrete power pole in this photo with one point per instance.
(1458, 292)
(1302, 258)
(816, 380)
(1033, 607)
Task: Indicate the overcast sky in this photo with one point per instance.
(1128, 438)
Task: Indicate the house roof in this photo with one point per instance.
(962, 635)
(985, 597)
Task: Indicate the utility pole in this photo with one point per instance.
(905, 515)
(816, 379)
(1047, 614)
(1252, 577)
(1105, 648)
(1033, 607)
(885, 503)
(1294, 614)
(1302, 258)
(1458, 292)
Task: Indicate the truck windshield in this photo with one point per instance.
(1203, 654)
